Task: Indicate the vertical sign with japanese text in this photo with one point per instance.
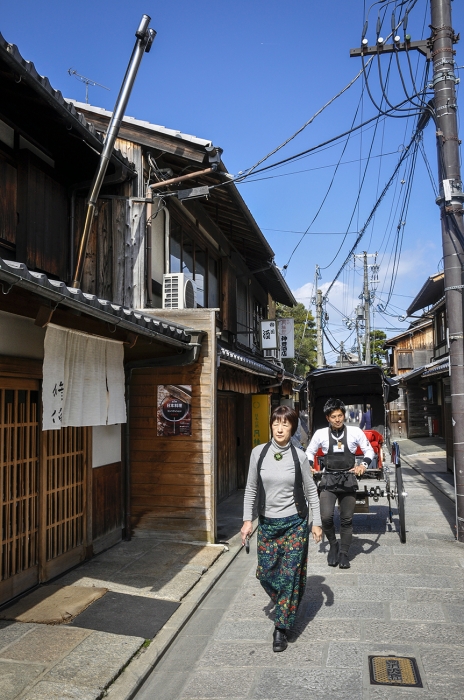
(286, 328)
(260, 411)
(269, 337)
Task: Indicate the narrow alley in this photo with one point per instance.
(396, 599)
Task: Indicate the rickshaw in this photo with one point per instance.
(364, 385)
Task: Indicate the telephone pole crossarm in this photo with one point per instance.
(422, 46)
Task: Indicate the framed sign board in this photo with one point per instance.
(174, 409)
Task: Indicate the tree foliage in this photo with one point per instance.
(378, 354)
(305, 345)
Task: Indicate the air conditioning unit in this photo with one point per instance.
(271, 354)
(178, 291)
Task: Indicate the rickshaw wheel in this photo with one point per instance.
(400, 494)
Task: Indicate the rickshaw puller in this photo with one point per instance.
(339, 443)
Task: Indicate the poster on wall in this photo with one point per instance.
(174, 409)
(260, 416)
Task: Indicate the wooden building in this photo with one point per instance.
(69, 493)
(214, 241)
(420, 358)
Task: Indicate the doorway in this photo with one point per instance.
(43, 492)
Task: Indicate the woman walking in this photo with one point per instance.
(280, 483)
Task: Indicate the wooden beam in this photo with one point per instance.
(44, 316)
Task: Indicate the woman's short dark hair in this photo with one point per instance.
(285, 412)
(332, 405)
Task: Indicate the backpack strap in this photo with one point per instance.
(298, 490)
(261, 492)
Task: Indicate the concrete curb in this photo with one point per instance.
(137, 671)
(449, 493)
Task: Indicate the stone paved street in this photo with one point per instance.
(396, 599)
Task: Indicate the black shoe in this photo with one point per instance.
(332, 557)
(344, 562)
(280, 640)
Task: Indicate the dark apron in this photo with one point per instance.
(337, 477)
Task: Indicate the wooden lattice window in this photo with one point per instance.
(19, 476)
(65, 482)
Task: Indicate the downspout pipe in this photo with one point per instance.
(188, 357)
(167, 226)
(145, 37)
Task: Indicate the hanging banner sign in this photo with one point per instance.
(174, 410)
(269, 338)
(287, 338)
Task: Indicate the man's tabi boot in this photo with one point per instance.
(333, 555)
(344, 561)
(279, 640)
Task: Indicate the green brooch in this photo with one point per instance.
(278, 456)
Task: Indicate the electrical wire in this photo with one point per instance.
(306, 124)
(403, 157)
(329, 187)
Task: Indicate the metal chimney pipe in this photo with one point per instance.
(145, 37)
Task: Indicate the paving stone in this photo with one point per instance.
(96, 661)
(45, 644)
(367, 594)
(406, 581)
(410, 564)
(279, 684)
(169, 587)
(246, 630)
(387, 693)
(455, 612)
(417, 611)
(357, 610)
(419, 595)
(446, 687)
(236, 654)
(45, 690)
(12, 631)
(346, 655)
(217, 683)
(15, 677)
(441, 661)
(323, 630)
(433, 633)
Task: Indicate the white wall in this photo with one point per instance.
(106, 445)
(20, 337)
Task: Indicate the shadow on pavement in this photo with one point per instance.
(316, 595)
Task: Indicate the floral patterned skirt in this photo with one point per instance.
(282, 561)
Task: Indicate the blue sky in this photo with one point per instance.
(247, 74)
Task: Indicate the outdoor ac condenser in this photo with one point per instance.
(178, 291)
(271, 354)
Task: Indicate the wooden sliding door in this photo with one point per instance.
(19, 486)
(43, 492)
(63, 526)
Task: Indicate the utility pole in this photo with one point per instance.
(342, 353)
(317, 301)
(439, 49)
(450, 201)
(367, 314)
(320, 351)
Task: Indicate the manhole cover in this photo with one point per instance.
(394, 670)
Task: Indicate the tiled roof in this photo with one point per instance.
(245, 362)
(17, 274)
(41, 84)
(437, 369)
(140, 122)
(434, 367)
